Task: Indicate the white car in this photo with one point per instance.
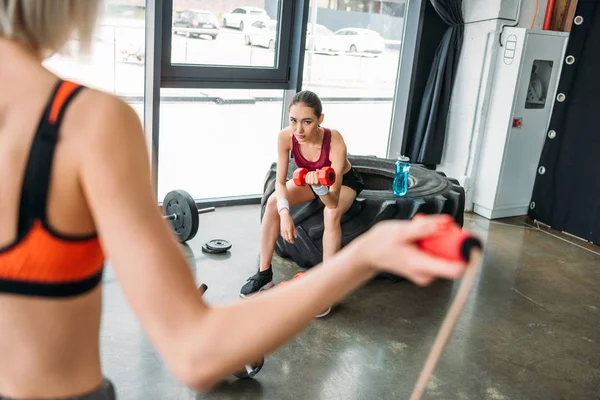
(358, 40)
(262, 33)
(324, 40)
(243, 17)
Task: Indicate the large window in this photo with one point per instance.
(351, 60)
(226, 68)
(219, 142)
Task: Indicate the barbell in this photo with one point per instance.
(180, 210)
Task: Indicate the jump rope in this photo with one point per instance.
(453, 244)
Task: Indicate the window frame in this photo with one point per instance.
(286, 74)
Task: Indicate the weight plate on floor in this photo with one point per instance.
(218, 244)
(208, 250)
(180, 203)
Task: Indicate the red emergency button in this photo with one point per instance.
(516, 122)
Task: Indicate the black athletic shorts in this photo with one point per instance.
(351, 179)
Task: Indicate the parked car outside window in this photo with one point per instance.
(243, 17)
(196, 23)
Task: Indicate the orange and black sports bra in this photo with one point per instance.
(42, 261)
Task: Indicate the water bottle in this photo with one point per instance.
(400, 185)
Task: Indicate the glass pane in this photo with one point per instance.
(537, 91)
(217, 143)
(116, 62)
(225, 33)
(352, 54)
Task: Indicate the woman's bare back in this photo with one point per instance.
(50, 341)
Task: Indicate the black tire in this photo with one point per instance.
(431, 192)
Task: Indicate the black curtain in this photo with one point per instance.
(566, 194)
(426, 143)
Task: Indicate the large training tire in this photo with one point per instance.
(431, 192)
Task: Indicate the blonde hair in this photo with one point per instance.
(47, 25)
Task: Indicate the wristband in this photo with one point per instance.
(321, 190)
(281, 204)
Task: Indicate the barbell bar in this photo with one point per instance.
(173, 217)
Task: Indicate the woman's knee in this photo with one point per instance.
(331, 217)
(271, 204)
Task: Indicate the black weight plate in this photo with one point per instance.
(218, 244)
(180, 202)
(208, 250)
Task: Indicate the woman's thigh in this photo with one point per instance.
(298, 194)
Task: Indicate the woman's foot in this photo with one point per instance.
(258, 282)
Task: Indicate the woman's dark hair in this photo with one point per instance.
(309, 99)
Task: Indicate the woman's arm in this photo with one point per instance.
(283, 151)
(203, 345)
(338, 157)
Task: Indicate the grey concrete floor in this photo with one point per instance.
(530, 329)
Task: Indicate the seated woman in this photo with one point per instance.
(68, 154)
(313, 148)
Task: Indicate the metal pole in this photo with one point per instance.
(152, 71)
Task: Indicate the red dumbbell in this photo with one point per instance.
(325, 175)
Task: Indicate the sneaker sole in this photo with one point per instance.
(265, 287)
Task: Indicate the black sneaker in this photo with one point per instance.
(258, 282)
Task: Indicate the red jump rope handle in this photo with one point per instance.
(451, 243)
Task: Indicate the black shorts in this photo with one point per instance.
(351, 179)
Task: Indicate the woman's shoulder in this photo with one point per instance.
(287, 131)
(284, 137)
(335, 135)
(102, 110)
(97, 117)
(285, 134)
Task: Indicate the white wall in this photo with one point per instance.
(468, 100)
